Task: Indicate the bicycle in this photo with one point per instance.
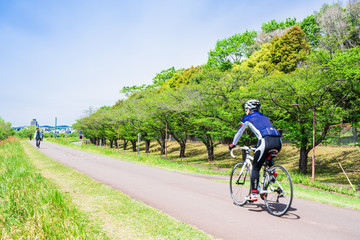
(275, 189)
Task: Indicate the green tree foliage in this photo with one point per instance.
(261, 61)
(291, 99)
(181, 78)
(344, 67)
(208, 108)
(231, 50)
(158, 81)
(130, 90)
(311, 29)
(5, 129)
(289, 50)
(283, 54)
(24, 133)
(164, 75)
(273, 25)
(95, 125)
(213, 105)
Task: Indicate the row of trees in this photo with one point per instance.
(297, 70)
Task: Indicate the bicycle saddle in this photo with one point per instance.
(273, 152)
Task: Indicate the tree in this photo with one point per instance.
(94, 125)
(232, 50)
(261, 61)
(162, 108)
(5, 130)
(282, 54)
(291, 99)
(288, 51)
(135, 107)
(311, 29)
(127, 90)
(344, 67)
(214, 105)
(335, 28)
(353, 10)
(263, 38)
(180, 78)
(24, 133)
(165, 75)
(273, 25)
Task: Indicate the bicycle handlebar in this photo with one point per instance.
(242, 148)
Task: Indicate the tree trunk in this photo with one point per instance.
(303, 151)
(161, 141)
(181, 140)
(133, 143)
(182, 149)
(125, 144)
(210, 149)
(147, 146)
(207, 140)
(111, 143)
(303, 160)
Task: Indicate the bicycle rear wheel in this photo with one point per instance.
(279, 192)
(240, 183)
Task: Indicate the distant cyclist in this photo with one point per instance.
(37, 137)
(268, 139)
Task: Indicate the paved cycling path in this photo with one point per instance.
(207, 204)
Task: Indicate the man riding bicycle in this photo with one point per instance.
(268, 139)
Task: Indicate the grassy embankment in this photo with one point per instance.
(43, 199)
(330, 179)
(31, 207)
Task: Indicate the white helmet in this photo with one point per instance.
(253, 105)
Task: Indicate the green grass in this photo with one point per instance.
(119, 215)
(326, 197)
(31, 207)
(304, 180)
(316, 191)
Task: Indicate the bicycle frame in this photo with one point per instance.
(270, 184)
(248, 162)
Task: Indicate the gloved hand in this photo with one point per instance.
(231, 146)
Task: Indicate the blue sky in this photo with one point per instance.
(60, 57)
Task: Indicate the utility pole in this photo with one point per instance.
(313, 155)
(139, 135)
(166, 141)
(118, 138)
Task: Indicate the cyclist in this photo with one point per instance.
(268, 139)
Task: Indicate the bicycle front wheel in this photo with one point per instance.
(240, 183)
(279, 191)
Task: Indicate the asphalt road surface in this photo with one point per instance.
(206, 204)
